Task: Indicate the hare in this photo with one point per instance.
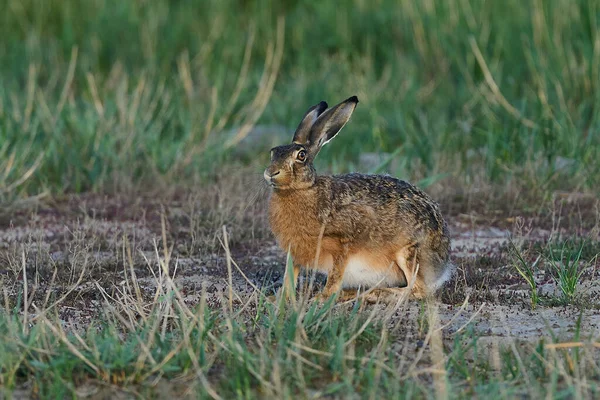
(363, 231)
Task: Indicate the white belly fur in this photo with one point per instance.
(359, 272)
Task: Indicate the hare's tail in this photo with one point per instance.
(449, 270)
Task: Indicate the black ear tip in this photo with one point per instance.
(353, 99)
(322, 106)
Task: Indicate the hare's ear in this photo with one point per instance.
(303, 130)
(330, 123)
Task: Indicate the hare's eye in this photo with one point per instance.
(301, 155)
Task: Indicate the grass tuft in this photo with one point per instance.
(567, 268)
(527, 271)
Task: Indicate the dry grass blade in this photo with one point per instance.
(63, 338)
(242, 76)
(571, 345)
(26, 175)
(67, 293)
(305, 361)
(380, 363)
(437, 351)
(272, 64)
(25, 295)
(471, 318)
(494, 87)
(94, 92)
(229, 272)
(31, 85)
(67, 86)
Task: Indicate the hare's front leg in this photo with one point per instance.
(288, 289)
(335, 276)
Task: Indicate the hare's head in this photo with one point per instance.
(292, 164)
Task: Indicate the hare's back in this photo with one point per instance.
(377, 189)
(385, 194)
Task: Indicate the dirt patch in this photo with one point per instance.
(74, 247)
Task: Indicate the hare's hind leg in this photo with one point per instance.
(379, 295)
(410, 261)
(425, 270)
(348, 295)
(392, 295)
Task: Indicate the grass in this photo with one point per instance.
(110, 96)
(567, 268)
(567, 265)
(118, 305)
(135, 257)
(244, 346)
(528, 272)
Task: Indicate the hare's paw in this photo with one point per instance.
(272, 299)
(323, 297)
(287, 295)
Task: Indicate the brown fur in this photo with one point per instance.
(387, 223)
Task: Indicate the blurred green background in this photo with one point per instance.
(106, 94)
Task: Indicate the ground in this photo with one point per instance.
(90, 248)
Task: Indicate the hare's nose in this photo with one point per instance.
(270, 175)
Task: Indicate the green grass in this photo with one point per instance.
(566, 264)
(527, 271)
(124, 96)
(139, 334)
(270, 351)
(565, 260)
(108, 95)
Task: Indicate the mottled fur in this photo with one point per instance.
(366, 230)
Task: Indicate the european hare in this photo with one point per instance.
(363, 231)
